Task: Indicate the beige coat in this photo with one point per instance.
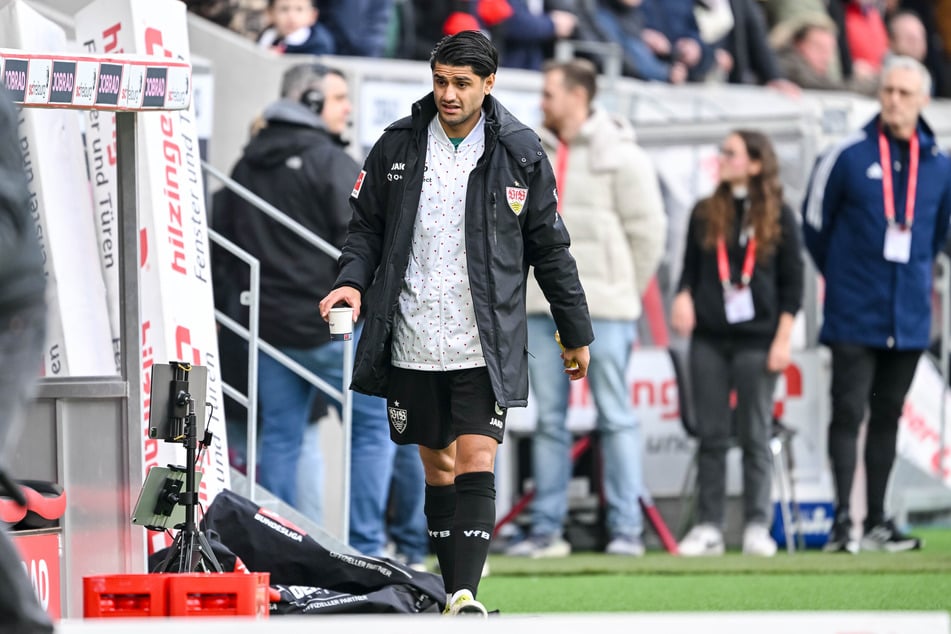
(612, 207)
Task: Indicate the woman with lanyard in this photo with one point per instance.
(738, 295)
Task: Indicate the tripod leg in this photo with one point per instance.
(174, 549)
(777, 448)
(190, 555)
(688, 495)
(796, 509)
(207, 555)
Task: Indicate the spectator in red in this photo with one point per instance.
(866, 36)
(434, 19)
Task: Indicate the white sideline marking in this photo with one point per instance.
(668, 623)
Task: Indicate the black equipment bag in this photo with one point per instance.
(266, 542)
(389, 599)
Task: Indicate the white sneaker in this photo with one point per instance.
(629, 545)
(540, 547)
(703, 540)
(757, 541)
(463, 603)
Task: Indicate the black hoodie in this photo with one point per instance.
(22, 282)
(298, 166)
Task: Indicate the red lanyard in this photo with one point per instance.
(561, 169)
(723, 263)
(888, 188)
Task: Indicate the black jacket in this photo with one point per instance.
(776, 285)
(500, 247)
(754, 62)
(299, 167)
(22, 282)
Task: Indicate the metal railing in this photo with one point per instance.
(251, 298)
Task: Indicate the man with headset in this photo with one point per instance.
(298, 163)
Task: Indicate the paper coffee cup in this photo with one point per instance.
(341, 323)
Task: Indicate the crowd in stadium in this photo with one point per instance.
(812, 44)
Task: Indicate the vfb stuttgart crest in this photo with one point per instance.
(515, 196)
(397, 418)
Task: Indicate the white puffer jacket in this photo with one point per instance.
(612, 207)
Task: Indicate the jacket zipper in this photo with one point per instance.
(495, 220)
(490, 281)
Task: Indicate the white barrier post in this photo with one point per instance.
(98, 91)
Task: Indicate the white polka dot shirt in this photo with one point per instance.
(435, 327)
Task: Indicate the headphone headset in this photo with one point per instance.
(313, 99)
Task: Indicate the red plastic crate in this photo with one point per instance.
(124, 596)
(218, 594)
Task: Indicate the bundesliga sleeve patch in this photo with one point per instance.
(358, 185)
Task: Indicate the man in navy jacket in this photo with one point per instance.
(876, 215)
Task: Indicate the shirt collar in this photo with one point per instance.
(476, 135)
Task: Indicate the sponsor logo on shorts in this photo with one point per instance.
(397, 418)
(499, 410)
(495, 422)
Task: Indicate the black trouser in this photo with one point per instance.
(877, 379)
(716, 370)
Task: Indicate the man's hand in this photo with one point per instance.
(343, 295)
(564, 23)
(576, 362)
(689, 51)
(656, 41)
(785, 86)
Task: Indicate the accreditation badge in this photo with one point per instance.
(738, 302)
(897, 243)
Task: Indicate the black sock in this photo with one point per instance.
(440, 508)
(472, 527)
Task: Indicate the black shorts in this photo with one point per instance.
(433, 408)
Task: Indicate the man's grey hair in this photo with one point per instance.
(910, 63)
(300, 78)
